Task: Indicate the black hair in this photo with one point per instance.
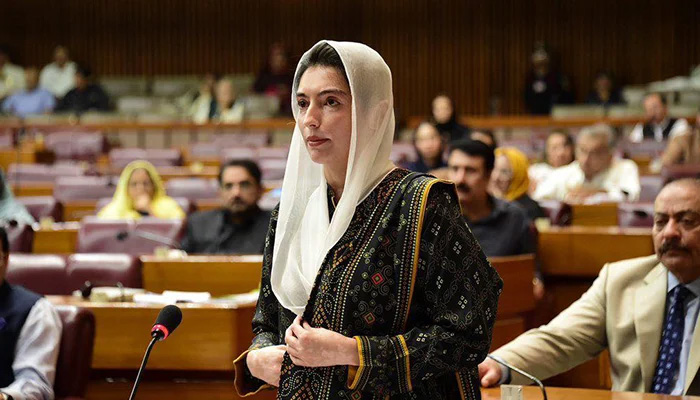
(568, 141)
(321, 55)
(661, 97)
(4, 240)
(604, 74)
(476, 148)
(453, 117)
(488, 133)
(248, 165)
(425, 122)
(84, 70)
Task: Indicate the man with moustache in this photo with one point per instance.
(643, 310)
(240, 226)
(501, 228)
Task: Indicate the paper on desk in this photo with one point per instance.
(189, 297)
(241, 298)
(172, 297)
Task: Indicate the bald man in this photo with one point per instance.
(643, 310)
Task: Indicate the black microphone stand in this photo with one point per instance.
(143, 366)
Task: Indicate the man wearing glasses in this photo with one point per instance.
(239, 226)
(596, 175)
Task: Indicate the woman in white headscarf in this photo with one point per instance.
(372, 284)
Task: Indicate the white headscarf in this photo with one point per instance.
(304, 235)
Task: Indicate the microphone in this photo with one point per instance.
(86, 289)
(521, 372)
(167, 321)
(154, 237)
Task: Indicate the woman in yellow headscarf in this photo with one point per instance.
(140, 193)
(509, 180)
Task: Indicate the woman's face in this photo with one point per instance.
(428, 142)
(442, 109)
(225, 93)
(325, 115)
(558, 152)
(140, 184)
(502, 174)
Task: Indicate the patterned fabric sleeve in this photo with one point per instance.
(265, 322)
(453, 308)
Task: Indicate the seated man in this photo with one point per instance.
(59, 76)
(87, 95)
(239, 226)
(500, 227)
(658, 126)
(595, 176)
(32, 99)
(644, 311)
(30, 333)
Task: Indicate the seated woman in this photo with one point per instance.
(140, 193)
(684, 149)
(275, 77)
(10, 208)
(509, 180)
(430, 147)
(224, 107)
(444, 116)
(558, 151)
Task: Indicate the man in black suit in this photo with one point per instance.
(240, 226)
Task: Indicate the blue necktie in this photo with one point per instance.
(667, 364)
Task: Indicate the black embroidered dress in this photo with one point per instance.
(422, 315)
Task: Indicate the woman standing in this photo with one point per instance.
(372, 284)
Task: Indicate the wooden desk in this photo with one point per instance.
(223, 390)
(557, 393)
(218, 275)
(581, 251)
(76, 210)
(12, 156)
(571, 258)
(209, 338)
(517, 301)
(594, 214)
(159, 390)
(33, 189)
(61, 238)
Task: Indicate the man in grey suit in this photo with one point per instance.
(644, 311)
(239, 226)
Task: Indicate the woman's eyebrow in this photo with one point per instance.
(325, 92)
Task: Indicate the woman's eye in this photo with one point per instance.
(302, 103)
(332, 102)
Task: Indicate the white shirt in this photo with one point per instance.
(622, 177)
(36, 354)
(58, 80)
(539, 172)
(11, 79)
(680, 127)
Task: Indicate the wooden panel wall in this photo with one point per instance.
(476, 50)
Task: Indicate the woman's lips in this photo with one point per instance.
(316, 141)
